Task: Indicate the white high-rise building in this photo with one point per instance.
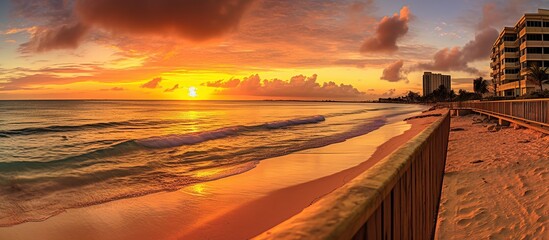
(432, 81)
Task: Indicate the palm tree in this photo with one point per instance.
(538, 75)
(480, 86)
(495, 86)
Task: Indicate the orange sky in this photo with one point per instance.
(242, 49)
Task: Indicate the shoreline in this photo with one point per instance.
(300, 194)
(219, 216)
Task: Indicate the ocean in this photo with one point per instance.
(56, 155)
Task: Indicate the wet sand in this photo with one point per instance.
(496, 184)
(235, 207)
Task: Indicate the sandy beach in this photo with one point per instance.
(496, 184)
(236, 207)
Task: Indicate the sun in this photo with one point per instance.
(192, 92)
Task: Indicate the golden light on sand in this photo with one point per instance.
(192, 92)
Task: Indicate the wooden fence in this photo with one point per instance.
(533, 111)
(397, 198)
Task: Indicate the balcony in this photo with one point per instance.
(509, 65)
(510, 55)
(509, 77)
(515, 84)
(510, 43)
(530, 30)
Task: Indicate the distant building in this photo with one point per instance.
(516, 49)
(431, 81)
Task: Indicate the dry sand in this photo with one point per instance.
(496, 184)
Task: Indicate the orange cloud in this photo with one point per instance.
(175, 87)
(155, 83)
(393, 72)
(388, 31)
(297, 87)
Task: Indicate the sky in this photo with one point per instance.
(244, 49)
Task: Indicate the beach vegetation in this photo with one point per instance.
(480, 86)
(538, 75)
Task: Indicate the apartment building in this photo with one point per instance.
(431, 81)
(516, 49)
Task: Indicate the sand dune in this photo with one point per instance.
(496, 184)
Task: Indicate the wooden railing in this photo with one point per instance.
(534, 111)
(397, 198)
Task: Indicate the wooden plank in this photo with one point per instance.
(387, 217)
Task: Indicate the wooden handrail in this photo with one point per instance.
(397, 198)
(534, 111)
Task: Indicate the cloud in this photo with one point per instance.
(113, 89)
(66, 36)
(458, 58)
(195, 20)
(155, 83)
(388, 31)
(393, 72)
(175, 87)
(192, 19)
(298, 86)
(231, 83)
(29, 30)
(389, 92)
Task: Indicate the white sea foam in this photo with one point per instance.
(175, 140)
(296, 121)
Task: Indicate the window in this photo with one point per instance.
(536, 50)
(546, 37)
(534, 37)
(546, 63)
(546, 50)
(511, 60)
(510, 49)
(512, 71)
(533, 23)
(545, 24)
(511, 38)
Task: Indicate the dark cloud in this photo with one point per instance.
(192, 19)
(66, 36)
(196, 20)
(393, 72)
(297, 87)
(155, 83)
(175, 87)
(457, 59)
(388, 31)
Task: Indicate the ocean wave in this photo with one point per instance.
(61, 128)
(296, 121)
(71, 128)
(175, 140)
(141, 178)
